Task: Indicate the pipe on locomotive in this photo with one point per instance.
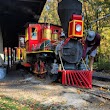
(66, 10)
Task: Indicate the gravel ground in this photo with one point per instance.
(17, 85)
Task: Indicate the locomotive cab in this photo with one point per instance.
(40, 40)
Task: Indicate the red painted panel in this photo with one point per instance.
(77, 78)
(76, 17)
(38, 31)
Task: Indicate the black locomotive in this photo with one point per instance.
(72, 50)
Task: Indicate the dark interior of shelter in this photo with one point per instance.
(14, 14)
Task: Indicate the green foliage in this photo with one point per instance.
(105, 43)
(49, 13)
(103, 64)
(94, 12)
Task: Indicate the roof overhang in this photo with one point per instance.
(14, 14)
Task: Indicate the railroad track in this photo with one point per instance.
(102, 91)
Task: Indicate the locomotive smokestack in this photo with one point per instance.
(65, 10)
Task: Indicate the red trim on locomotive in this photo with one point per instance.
(43, 33)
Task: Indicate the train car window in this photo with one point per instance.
(34, 34)
(56, 31)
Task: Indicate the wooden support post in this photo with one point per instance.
(15, 53)
(4, 50)
(11, 54)
(7, 59)
(14, 56)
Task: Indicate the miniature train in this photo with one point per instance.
(41, 40)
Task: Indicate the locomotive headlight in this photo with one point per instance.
(78, 28)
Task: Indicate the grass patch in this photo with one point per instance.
(7, 103)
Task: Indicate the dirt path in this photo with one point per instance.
(68, 98)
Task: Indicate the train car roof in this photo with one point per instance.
(28, 23)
